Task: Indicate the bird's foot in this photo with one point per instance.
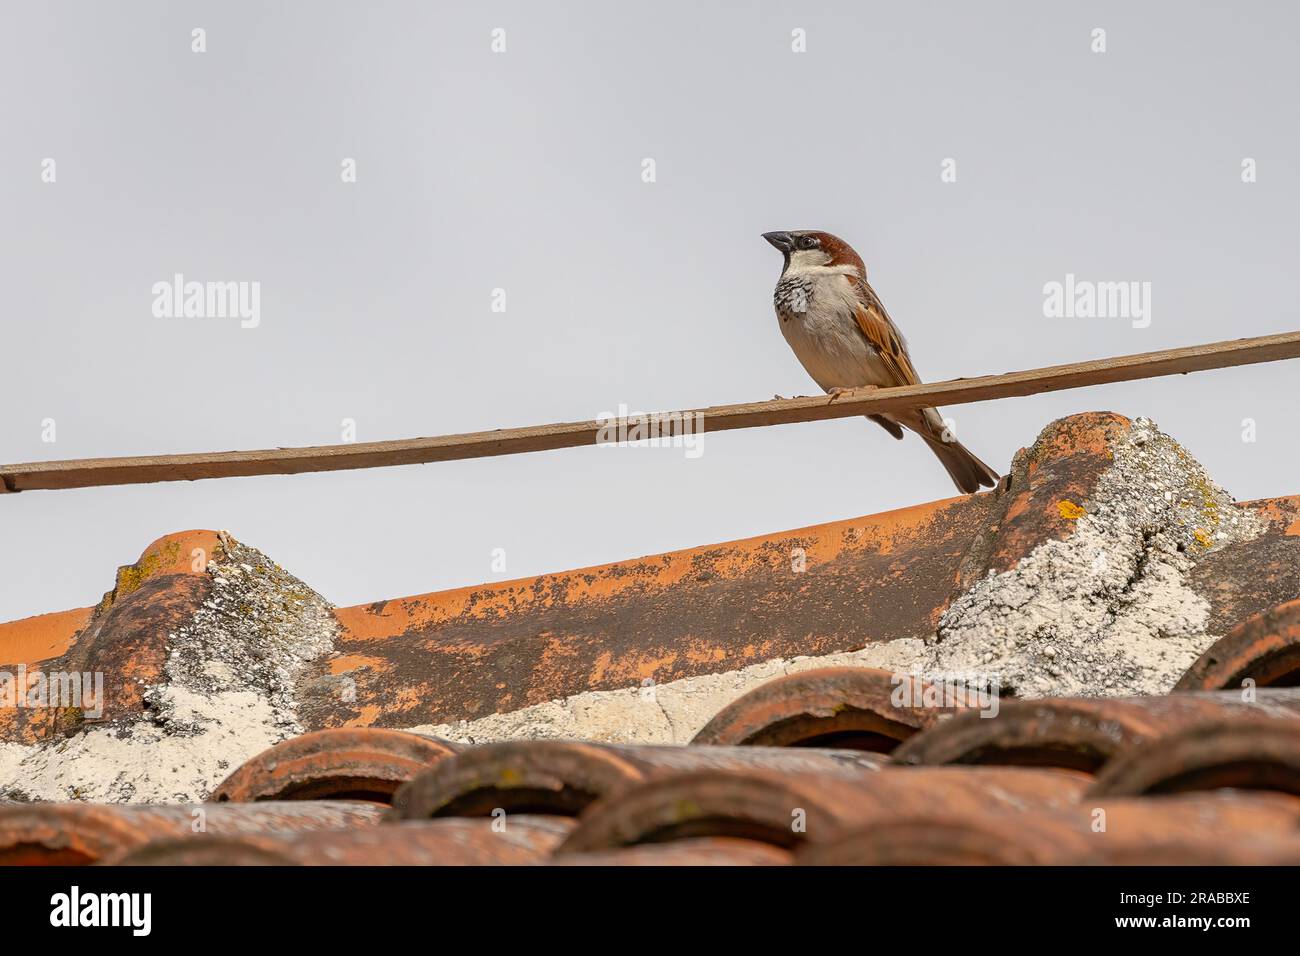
(836, 392)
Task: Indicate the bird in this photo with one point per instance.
(842, 335)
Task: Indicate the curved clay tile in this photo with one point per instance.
(563, 777)
(1060, 835)
(338, 764)
(846, 707)
(1264, 649)
(1243, 753)
(1078, 733)
(705, 851)
(76, 834)
(1244, 851)
(39, 638)
(519, 839)
(786, 810)
(124, 637)
(499, 647)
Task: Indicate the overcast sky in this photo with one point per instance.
(523, 171)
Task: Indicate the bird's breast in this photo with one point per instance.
(793, 296)
(816, 316)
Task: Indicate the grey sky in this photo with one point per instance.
(522, 171)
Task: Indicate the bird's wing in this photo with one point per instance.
(882, 334)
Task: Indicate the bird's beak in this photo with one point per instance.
(782, 240)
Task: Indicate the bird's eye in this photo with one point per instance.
(807, 242)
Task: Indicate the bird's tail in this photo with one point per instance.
(968, 473)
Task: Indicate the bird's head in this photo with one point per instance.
(808, 249)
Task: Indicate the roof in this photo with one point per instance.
(1189, 778)
(1097, 662)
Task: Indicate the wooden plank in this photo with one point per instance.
(94, 472)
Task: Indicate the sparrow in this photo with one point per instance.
(842, 335)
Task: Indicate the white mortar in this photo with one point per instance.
(1109, 610)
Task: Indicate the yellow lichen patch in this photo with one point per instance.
(130, 577)
(1202, 538)
(1209, 503)
(184, 552)
(686, 810)
(1069, 510)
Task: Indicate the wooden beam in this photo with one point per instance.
(94, 472)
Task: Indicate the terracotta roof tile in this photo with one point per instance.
(70, 834)
(703, 804)
(1264, 649)
(1078, 733)
(124, 637)
(1213, 851)
(788, 809)
(340, 764)
(1243, 753)
(454, 842)
(1057, 836)
(827, 707)
(499, 647)
(564, 777)
(41, 637)
(702, 851)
